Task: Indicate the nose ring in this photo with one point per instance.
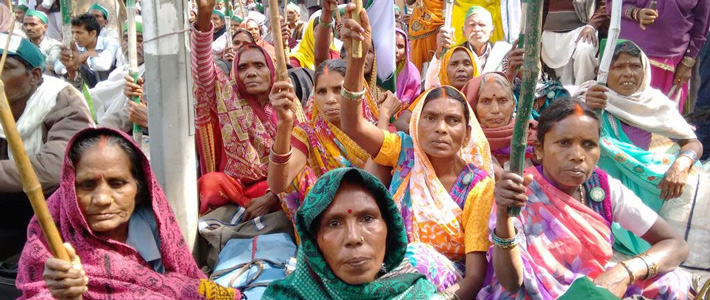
(362, 239)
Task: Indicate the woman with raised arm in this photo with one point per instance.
(440, 181)
(235, 121)
(564, 232)
(303, 153)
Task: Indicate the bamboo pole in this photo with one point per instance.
(531, 72)
(30, 184)
(242, 9)
(281, 69)
(133, 61)
(448, 11)
(357, 44)
(66, 8)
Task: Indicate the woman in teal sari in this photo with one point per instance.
(633, 111)
(353, 244)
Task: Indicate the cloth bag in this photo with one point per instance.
(583, 288)
(224, 223)
(688, 216)
(251, 264)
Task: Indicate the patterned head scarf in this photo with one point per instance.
(313, 279)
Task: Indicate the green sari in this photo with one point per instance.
(313, 279)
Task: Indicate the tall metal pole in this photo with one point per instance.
(170, 108)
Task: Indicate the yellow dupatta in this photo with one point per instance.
(446, 58)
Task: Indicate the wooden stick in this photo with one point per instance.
(531, 72)
(357, 44)
(228, 23)
(30, 184)
(274, 19)
(448, 11)
(241, 8)
(281, 69)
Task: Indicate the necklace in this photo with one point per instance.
(581, 195)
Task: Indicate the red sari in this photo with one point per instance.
(234, 131)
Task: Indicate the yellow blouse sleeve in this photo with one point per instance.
(476, 214)
(389, 152)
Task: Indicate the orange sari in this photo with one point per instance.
(426, 20)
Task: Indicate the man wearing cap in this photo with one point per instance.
(477, 28)
(293, 19)
(35, 26)
(54, 14)
(19, 10)
(93, 59)
(110, 104)
(101, 14)
(219, 39)
(48, 112)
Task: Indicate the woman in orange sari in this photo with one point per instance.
(426, 20)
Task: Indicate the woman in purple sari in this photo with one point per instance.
(671, 33)
(408, 78)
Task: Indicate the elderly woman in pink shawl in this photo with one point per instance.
(408, 78)
(121, 234)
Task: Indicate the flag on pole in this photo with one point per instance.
(381, 14)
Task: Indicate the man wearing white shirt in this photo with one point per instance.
(94, 57)
(51, 8)
(101, 14)
(35, 27)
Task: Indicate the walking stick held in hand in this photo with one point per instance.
(357, 44)
(30, 184)
(228, 22)
(281, 69)
(133, 60)
(531, 71)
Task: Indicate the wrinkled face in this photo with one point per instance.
(352, 235)
(33, 27)
(105, 189)
(625, 74)
(369, 60)
(477, 30)
(327, 95)
(19, 15)
(82, 37)
(443, 128)
(234, 25)
(99, 17)
(495, 107)
(254, 72)
(570, 150)
(254, 29)
(292, 15)
(240, 40)
(139, 47)
(460, 69)
(19, 81)
(217, 21)
(401, 47)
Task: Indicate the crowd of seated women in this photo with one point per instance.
(386, 209)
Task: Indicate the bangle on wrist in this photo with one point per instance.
(651, 265)
(327, 25)
(636, 14)
(279, 159)
(505, 243)
(632, 277)
(352, 96)
(689, 154)
(688, 61)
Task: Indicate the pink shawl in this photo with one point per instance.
(115, 269)
(408, 78)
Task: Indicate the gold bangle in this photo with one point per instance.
(352, 95)
(651, 265)
(632, 278)
(688, 61)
